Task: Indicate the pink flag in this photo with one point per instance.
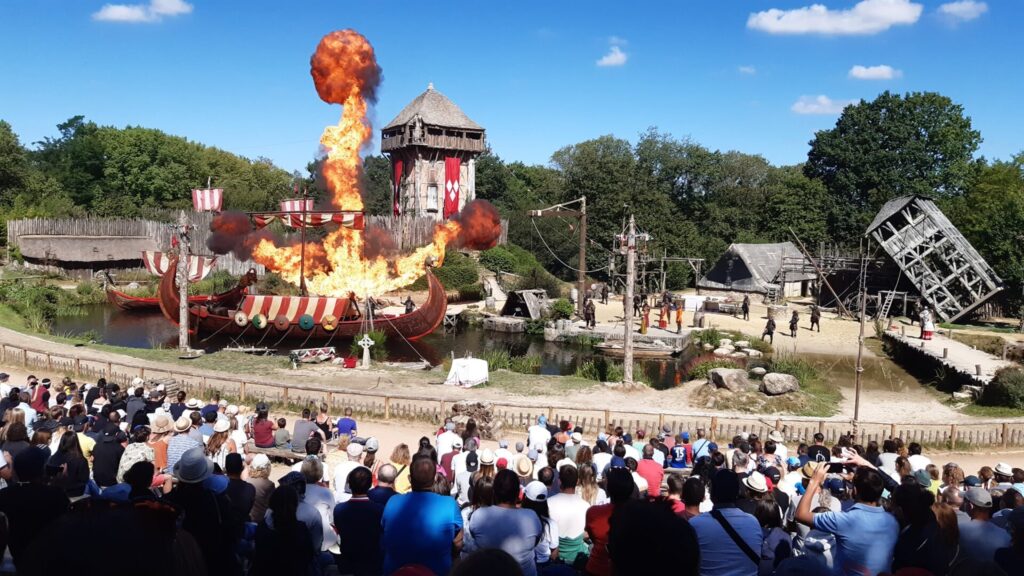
(207, 199)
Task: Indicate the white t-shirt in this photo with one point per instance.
(601, 461)
(341, 472)
(781, 451)
(918, 462)
(322, 499)
(444, 442)
(503, 453)
(538, 437)
(240, 439)
(459, 463)
(632, 452)
(297, 467)
(641, 484)
(569, 511)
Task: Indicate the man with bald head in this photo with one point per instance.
(421, 527)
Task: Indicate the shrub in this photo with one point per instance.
(700, 369)
(539, 278)
(561, 309)
(534, 327)
(805, 372)
(496, 359)
(217, 281)
(1006, 389)
(710, 336)
(524, 364)
(85, 289)
(602, 369)
(456, 272)
(378, 351)
(499, 259)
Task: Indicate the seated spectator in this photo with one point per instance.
(347, 425)
(282, 437)
(979, 537)
(865, 534)
(179, 443)
(652, 472)
(106, 456)
(621, 488)
(68, 469)
(319, 497)
(569, 511)
(242, 494)
(358, 524)
(535, 497)
(259, 478)
(673, 551)
(283, 542)
(31, 505)
(489, 561)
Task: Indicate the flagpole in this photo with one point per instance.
(302, 255)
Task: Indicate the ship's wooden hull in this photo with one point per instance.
(220, 319)
(130, 303)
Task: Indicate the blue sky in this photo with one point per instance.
(758, 76)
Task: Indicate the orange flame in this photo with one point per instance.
(345, 72)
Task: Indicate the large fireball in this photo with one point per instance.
(345, 72)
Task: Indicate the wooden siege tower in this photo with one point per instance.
(952, 277)
(432, 145)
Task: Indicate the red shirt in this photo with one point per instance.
(597, 527)
(652, 472)
(263, 433)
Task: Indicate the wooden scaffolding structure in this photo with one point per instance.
(949, 273)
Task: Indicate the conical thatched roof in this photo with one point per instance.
(436, 110)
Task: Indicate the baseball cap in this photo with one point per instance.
(502, 463)
(972, 481)
(979, 497)
(457, 443)
(449, 426)
(925, 479)
(792, 462)
(502, 443)
(354, 450)
(520, 446)
(372, 444)
(536, 491)
(577, 437)
(686, 435)
(472, 462)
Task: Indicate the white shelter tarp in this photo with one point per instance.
(467, 372)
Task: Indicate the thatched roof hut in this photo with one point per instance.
(85, 250)
(757, 268)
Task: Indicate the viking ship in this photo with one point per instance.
(157, 264)
(314, 319)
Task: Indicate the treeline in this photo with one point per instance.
(125, 172)
(692, 200)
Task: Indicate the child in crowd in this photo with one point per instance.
(282, 437)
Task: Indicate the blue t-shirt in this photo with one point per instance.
(719, 555)
(513, 530)
(678, 457)
(418, 529)
(866, 537)
(979, 540)
(346, 426)
(358, 524)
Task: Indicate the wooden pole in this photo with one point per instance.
(803, 249)
(860, 338)
(182, 273)
(583, 255)
(627, 307)
(302, 250)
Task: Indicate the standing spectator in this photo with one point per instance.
(358, 523)
(464, 479)
(446, 440)
(675, 483)
(598, 521)
(865, 534)
(1011, 559)
(506, 526)
(401, 460)
(242, 494)
(920, 543)
(535, 497)
(538, 434)
(259, 477)
(651, 471)
(307, 514)
(818, 452)
(730, 539)
(454, 450)
(433, 519)
(681, 453)
(385, 487)
(31, 505)
(979, 537)
(693, 495)
(283, 544)
(917, 461)
(319, 497)
(777, 544)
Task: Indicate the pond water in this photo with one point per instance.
(150, 330)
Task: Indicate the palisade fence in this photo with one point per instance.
(516, 416)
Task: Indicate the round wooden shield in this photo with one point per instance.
(203, 311)
(258, 320)
(281, 322)
(306, 322)
(241, 319)
(329, 322)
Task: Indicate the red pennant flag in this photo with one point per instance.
(452, 168)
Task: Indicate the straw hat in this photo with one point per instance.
(222, 425)
(524, 467)
(756, 482)
(161, 424)
(182, 424)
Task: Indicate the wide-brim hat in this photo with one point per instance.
(193, 404)
(776, 436)
(193, 467)
(1003, 469)
(161, 424)
(756, 482)
(486, 457)
(524, 467)
(182, 424)
(222, 425)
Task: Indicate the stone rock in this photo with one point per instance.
(721, 352)
(752, 353)
(963, 396)
(759, 371)
(489, 423)
(774, 384)
(729, 347)
(738, 355)
(741, 344)
(732, 379)
(707, 347)
(724, 342)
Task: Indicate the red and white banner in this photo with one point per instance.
(295, 205)
(352, 220)
(207, 199)
(452, 167)
(396, 185)
(157, 263)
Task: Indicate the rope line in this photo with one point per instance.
(555, 256)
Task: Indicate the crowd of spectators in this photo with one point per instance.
(99, 479)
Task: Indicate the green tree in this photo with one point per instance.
(920, 143)
(795, 201)
(376, 183)
(13, 163)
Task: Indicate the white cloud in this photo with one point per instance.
(963, 10)
(614, 57)
(617, 41)
(820, 105)
(134, 13)
(866, 17)
(880, 72)
(747, 70)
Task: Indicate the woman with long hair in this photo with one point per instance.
(324, 422)
(471, 431)
(68, 468)
(584, 456)
(903, 467)
(587, 486)
(400, 459)
(262, 427)
(283, 544)
(13, 416)
(777, 544)
(220, 443)
(481, 494)
(920, 543)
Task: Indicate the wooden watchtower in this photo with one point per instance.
(951, 276)
(429, 135)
